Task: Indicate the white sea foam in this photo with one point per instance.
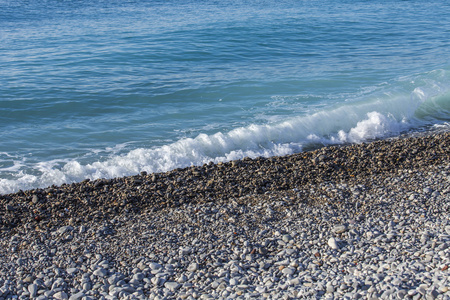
(384, 113)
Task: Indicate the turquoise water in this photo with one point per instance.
(99, 89)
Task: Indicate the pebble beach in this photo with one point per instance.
(362, 221)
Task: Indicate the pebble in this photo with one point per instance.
(155, 266)
(35, 199)
(339, 229)
(193, 267)
(288, 271)
(71, 271)
(171, 285)
(60, 295)
(32, 289)
(65, 229)
(101, 272)
(77, 296)
(332, 242)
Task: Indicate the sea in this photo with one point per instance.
(106, 88)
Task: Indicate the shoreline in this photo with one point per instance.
(223, 181)
(368, 221)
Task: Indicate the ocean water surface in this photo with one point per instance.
(100, 89)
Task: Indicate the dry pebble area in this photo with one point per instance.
(369, 221)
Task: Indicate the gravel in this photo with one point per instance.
(367, 221)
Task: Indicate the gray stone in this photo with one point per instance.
(286, 238)
(233, 281)
(288, 271)
(172, 285)
(157, 280)
(427, 190)
(65, 229)
(138, 276)
(401, 294)
(339, 229)
(333, 243)
(60, 295)
(33, 288)
(86, 286)
(77, 296)
(71, 271)
(433, 294)
(155, 266)
(101, 272)
(182, 279)
(193, 267)
(185, 251)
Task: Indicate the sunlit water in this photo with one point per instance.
(99, 89)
